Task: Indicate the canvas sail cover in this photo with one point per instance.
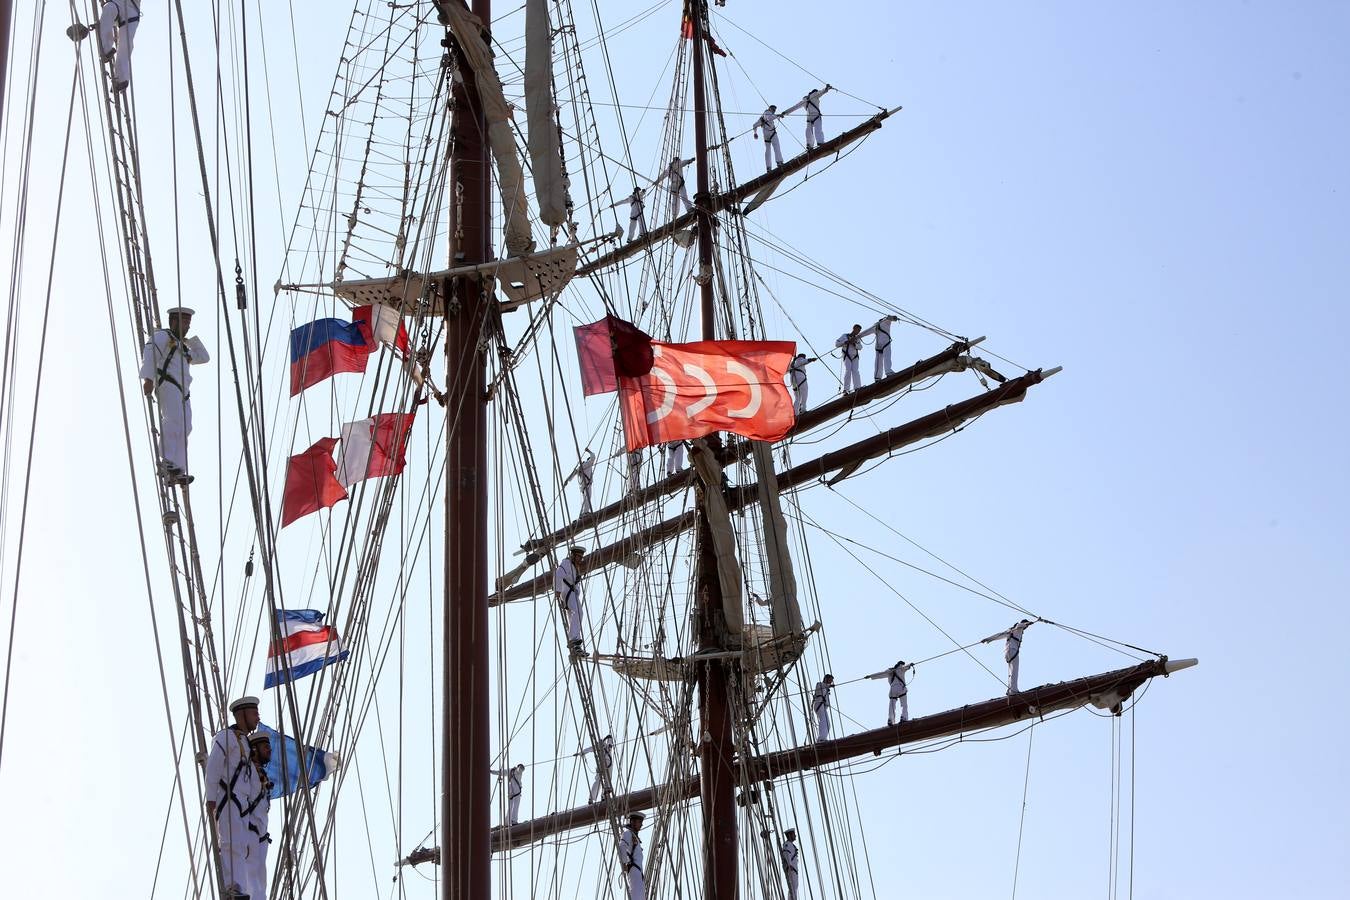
(786, 615)
(723, 537)
(545, 158)
(468, 32)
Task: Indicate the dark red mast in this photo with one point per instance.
(716, 748)
(466, 855)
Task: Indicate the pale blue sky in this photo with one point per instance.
(1152, 195)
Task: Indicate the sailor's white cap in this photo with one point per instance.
(182, 311)
(259, 736)
(789, 831)
(637, 815)
(243, 702)
(576, 548)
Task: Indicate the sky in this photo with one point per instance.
(1151, 195)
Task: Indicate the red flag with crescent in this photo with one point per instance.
(698, 388)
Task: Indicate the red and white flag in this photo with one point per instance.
(385, 324)
(373, 448)
(696, 389)
(673, 392)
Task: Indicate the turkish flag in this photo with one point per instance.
(698, 388)
(310, 485)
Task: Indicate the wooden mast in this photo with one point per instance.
(716, 747)
(465, 724)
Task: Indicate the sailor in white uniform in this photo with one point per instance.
(231, 784)
(514, 783)
(815, 134)
(797, 376)
(567, 588)
(119, 18)
(1012, 650)
(634, 471)
(585, 472)
(899, 690)
(791, 858)
(637, 218)
(768, 123)
(604, 758)
(851, 344)
(820, 704)
(165, 372)
(882, 330)
(256, 816)
(674, 177)
(674, 457)
(630, 857)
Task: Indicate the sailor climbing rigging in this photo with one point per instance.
(231, 784)
(882, 330)
(118, 19)
(899, 691)
(1012, 650)
(791, 858)
(820, 705)
(851, 344)
(567, 588)
(630, 857)
(165, 373)
(604, 759)
(514, 783)
(768, 123)
(797, 376)
(256, 815)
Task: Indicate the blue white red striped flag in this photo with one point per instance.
(306, 645)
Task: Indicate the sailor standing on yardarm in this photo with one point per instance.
(637, 219)
(585, 472)
(630, 857)
(882, 330)
(768, 123)
(119, 18)
(1012, 650)
(851, 344)
(820, 705)
(797, 376)
(166, 373)
(791, 858)
(514, 783)
(815, 134)
(231, 784)
(604, 759)
(674, 177)
(567, 588)
(256, 815)
(899, 691)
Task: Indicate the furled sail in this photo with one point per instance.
(468, 30)
(723, 536)
(786, 614)
(545, 158)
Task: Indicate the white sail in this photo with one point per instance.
(515, 207)
(542, 134)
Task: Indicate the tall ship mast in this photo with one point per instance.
(525, 435)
